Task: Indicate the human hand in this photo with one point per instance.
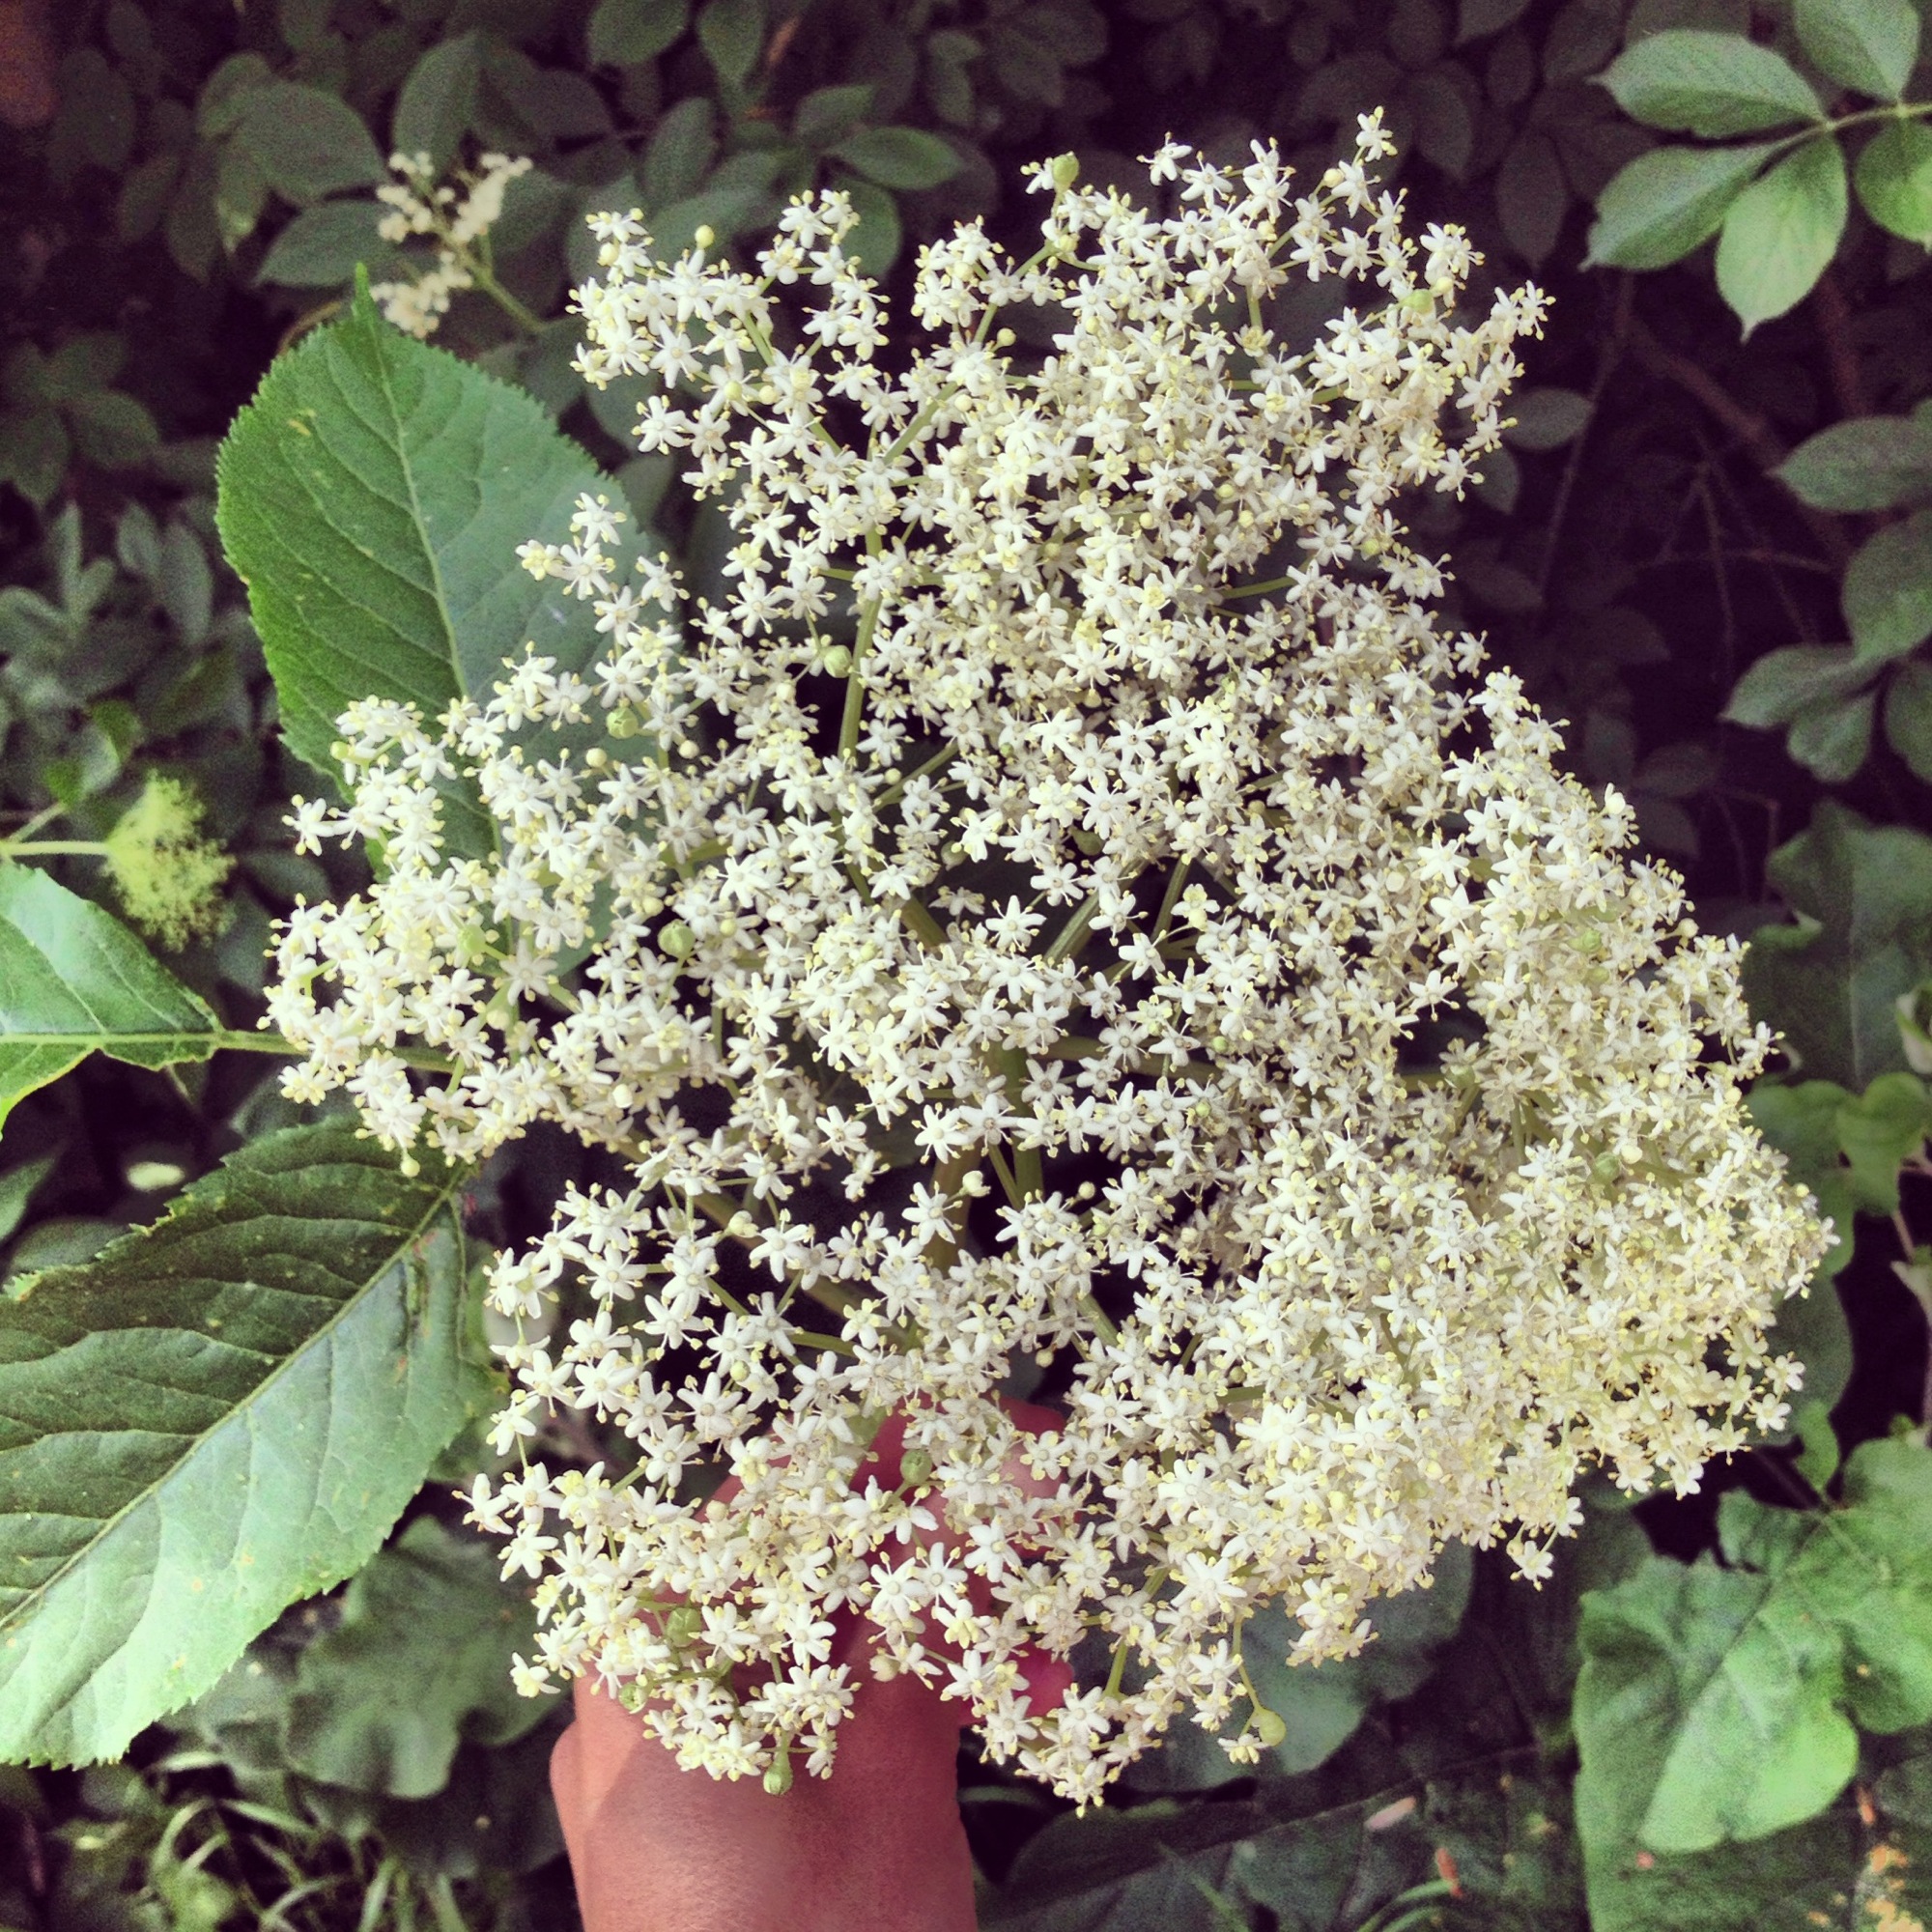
(876, 1847)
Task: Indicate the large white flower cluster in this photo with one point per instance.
(1061, 909)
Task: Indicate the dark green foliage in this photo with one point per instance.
(1713, 559)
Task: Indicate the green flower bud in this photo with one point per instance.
(916, 1466)
(1268, 1727)
(169, 878)
(678, 940)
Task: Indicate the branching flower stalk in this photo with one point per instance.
(1169, 966)
(458, 219)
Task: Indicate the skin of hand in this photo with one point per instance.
(876, 1847)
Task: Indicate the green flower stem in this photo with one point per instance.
(1073, 934)
(51, 848)
(526, 318)
(855, 678)
(239, 1041)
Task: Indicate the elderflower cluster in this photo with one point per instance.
(1058, 921)
(458, 221)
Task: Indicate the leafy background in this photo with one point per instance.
(1707, 546)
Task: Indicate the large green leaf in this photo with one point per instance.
(1784, 682)
(305, 142)
(1781, 232)
(74, 980)
(1865, 463)
(1829, 984)
(1695, 82)
(214, 1417)
(1861, 1866)
(1887, 590)
(431, 1612)
(1666, 203)
(1894, 177)
(1867, 44)
(373, 497)
(1718, 1703)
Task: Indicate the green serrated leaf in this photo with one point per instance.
(1783, 683)
(1716, 85)
(624, 33)
(875, 243)
(74, 980)
(1866, 44)
(680, 154)
(899, 157)
(1887, 589)
(732, 33)
(1666, 203)
(1717, 1704)
(1865, 463)
(1781, 232)
(1829, 984)
(219, 1416)
(308, 144)
(1894, 177)
(1878, 1130)
(372, 497)
(1908, 718)
(323, 248)
(1833, 738)
(430, 1611)
(437, 104)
